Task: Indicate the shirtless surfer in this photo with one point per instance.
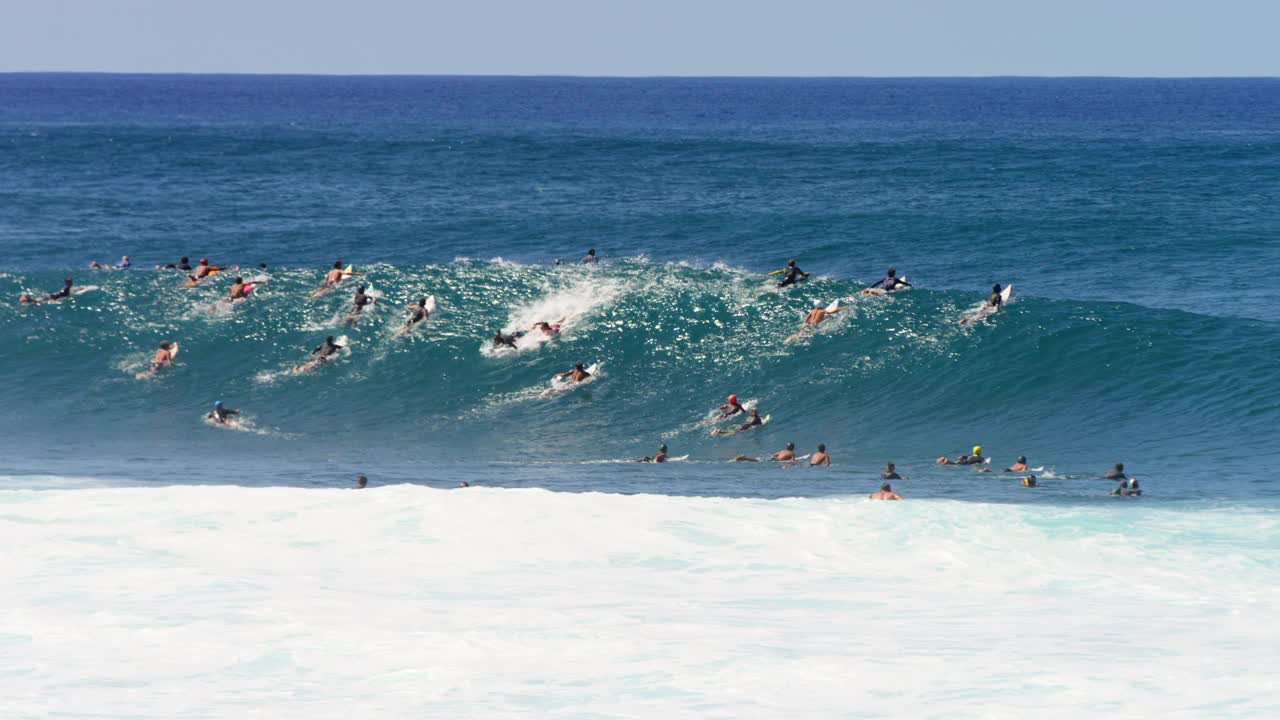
(577, 374)
(886, 493)
(821, 457)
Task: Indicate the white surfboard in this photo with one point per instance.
(84, 289)
(1004, 294)
(835, 305)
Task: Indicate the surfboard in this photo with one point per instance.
(1004, 294)
(173, 350)
(835, 305)
(723, 432)
(563, 384)
(431, 303)
(150, 372)
(84, 289)
(882, 291)
(342, 341)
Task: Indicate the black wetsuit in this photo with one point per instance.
(500, 340)
(792, 276)
(889, 284)
(183, 266)
(731, 410)
(419, 314)
(973, 460)
(994, 300)
(221, 416)
(358, 303)
(890, 476)
(753, 422)
(65, 292)
(323, 352)
(1114, 474)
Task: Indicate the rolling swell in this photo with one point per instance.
(1068, 383)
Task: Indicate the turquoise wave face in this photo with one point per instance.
(1074, 386)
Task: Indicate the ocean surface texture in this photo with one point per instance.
(160, 566)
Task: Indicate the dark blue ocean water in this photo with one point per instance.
(1137, 219)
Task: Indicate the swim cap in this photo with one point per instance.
(663, 448)
(217, 405)
(891, 272)
(733, 398)
(822, 448)
(1022, 459)
(977, 449)
(791, 446)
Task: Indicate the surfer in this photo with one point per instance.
(204, 270)
(62, 294)
(183, 264)
(590, 258)
(163, 357)
(821, 457)
(731, 408)
(792, 274)
(577, 374)
(973, 459)
(890, 473)
(1019, 466)
(659, 457)
(995, 300)
(1115, 473)
(501, 339)
(787, 454)
(753, 420)
(820, 313)
(220, 413)
(886, 493)
(417, 313)
(239, 290)
(1127, 488)
(889, 282)
(548, 329)
(124, 264)
(362, 482)
(322, 353)
(357, 305)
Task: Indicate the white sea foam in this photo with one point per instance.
(225, 602)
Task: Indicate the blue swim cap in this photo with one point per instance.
(217, 405)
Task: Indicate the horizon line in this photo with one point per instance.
(535, 76)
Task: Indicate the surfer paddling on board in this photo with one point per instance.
(577, 374)
(590, 258)
(886, 493)
(889, 282)
(821, 457)
(358, 304)
(787, 454)
(220, 413)
(820, 313)
(658, 457)
(124, 264)
(890, 473)
(239, 290)
(792, 274)
(322, 353)
(548, 329)
(183, 264)
(731, 408)
(1115, 473)
(62, 294)
(163, 357)
(1018, 466)
(973, 459)
(501, 339)
(417, 313)
(995, 299)
(204, 270)
(753, 420)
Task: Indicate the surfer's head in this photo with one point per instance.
(262, 266)
(885, 488)
(891, 272)
(361, 481)
(733, 399)
(239, 280)
(662, 448)
(164, 344)
(360, 289)
(67, 282)
(791, 446)
(578, 367)
(217, 405)
(204, 261)
(791, 262)
(977, 449)
(337, 264)
(328, 339)
(817, 305)
(822, 447)
(1120, 467)
(185, 260)
(1022, 459)
(422, 302)
(888, 467)
(996, 288)
(591, 251)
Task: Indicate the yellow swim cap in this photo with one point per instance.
(977, 449)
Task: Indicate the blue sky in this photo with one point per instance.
(646, 37)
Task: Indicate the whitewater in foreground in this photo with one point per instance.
(405, 601)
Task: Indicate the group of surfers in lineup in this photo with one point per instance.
(420, 312)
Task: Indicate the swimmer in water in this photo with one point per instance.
(1115, 473)
(886, 493)
(163, 357)
(548, 329)
(62, 294)
(890, 473)
(577, 374)
(1019, 466)
(124, 264)
(362, 482)
(501, 339)
(220, 414)
(417, 313)
(821, 457)
(238, 290)
(787, 454)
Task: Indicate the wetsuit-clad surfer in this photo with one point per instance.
(731, 408)
(501, 339)
(792, 275)
(890, 281)
(752, 421)
(184, 265)
(973, 459)
(220, 413)
(890, 472)
(358, 304)
(62, 294)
